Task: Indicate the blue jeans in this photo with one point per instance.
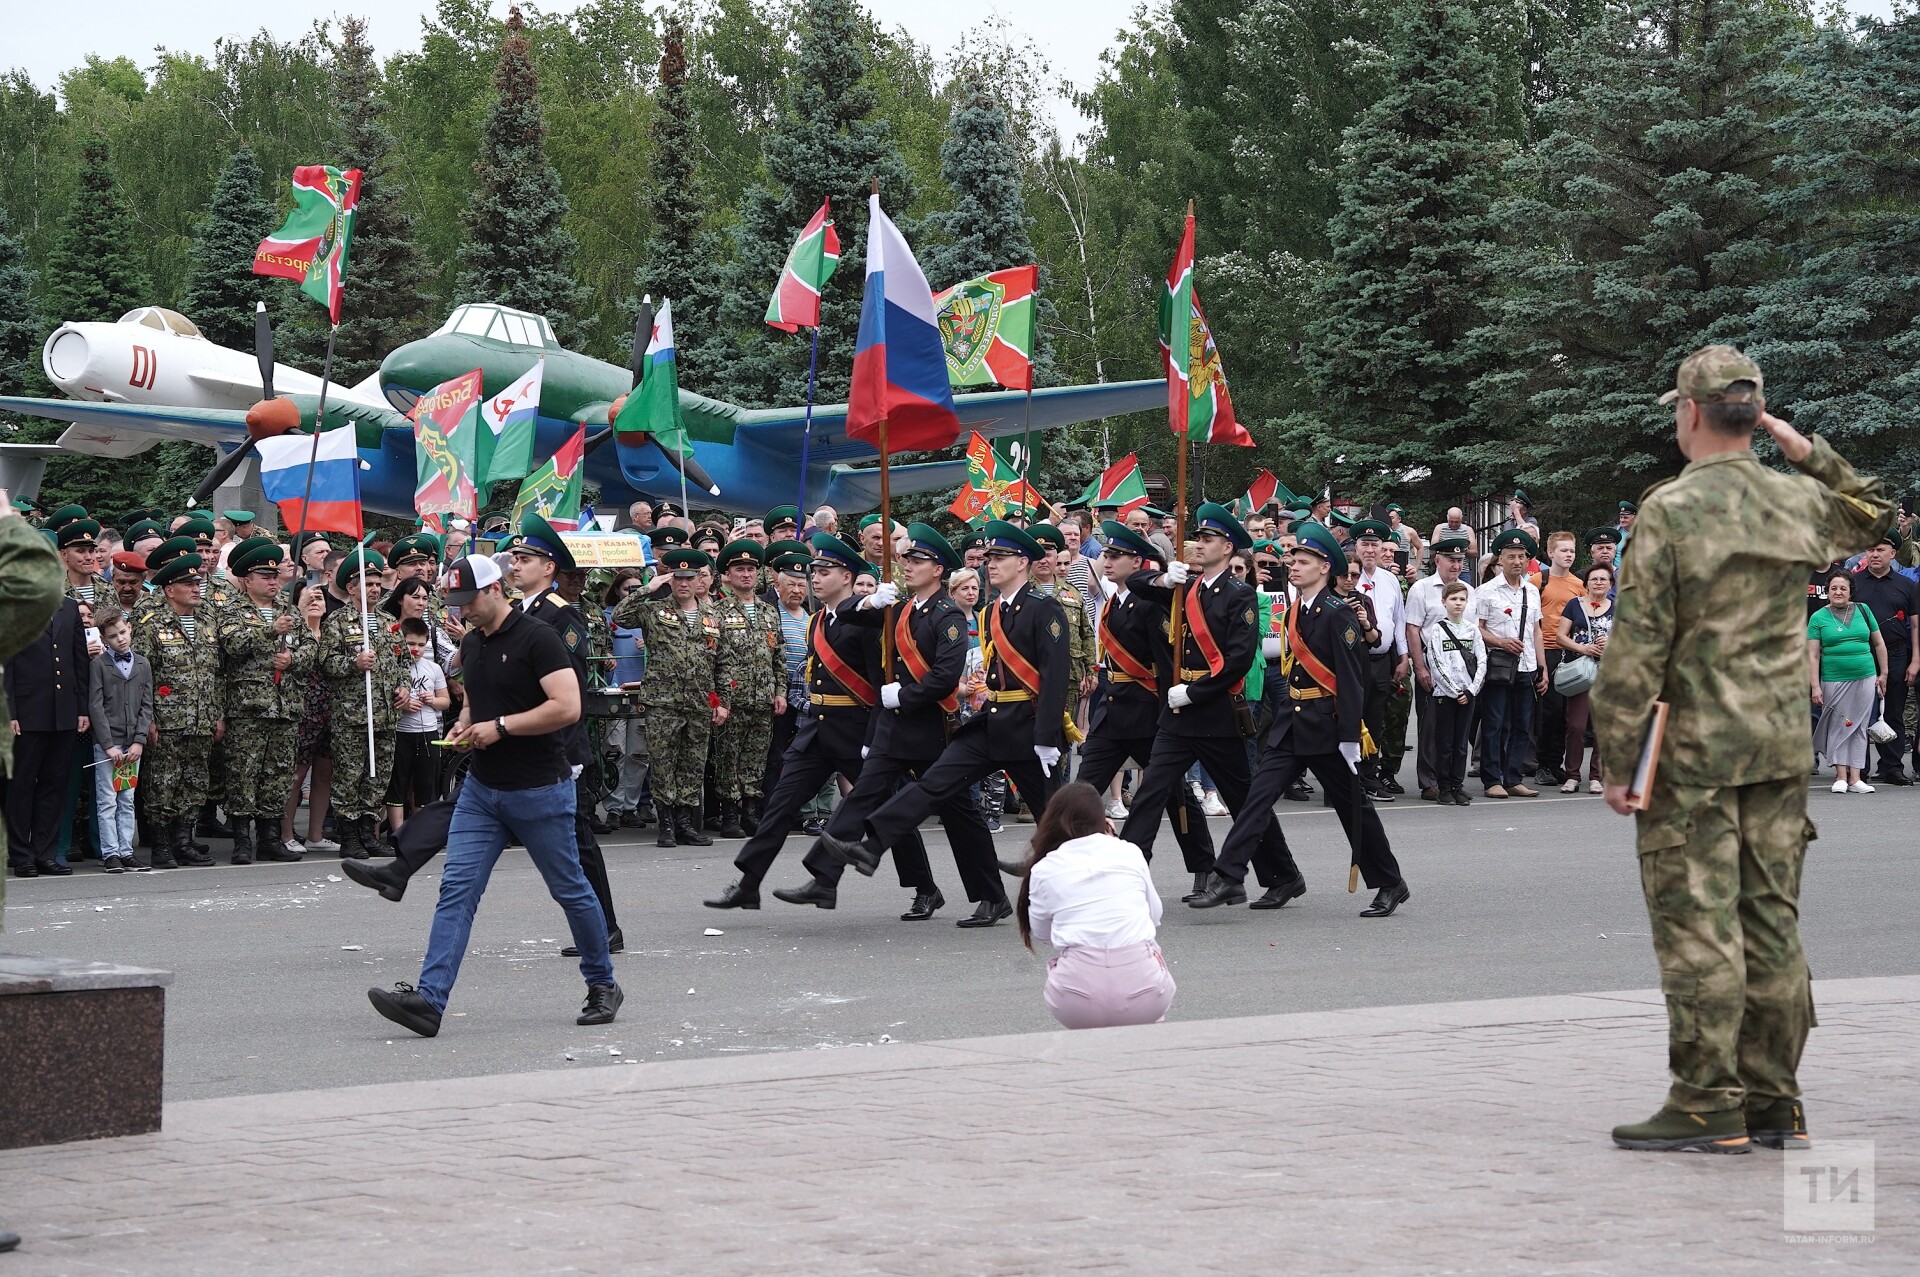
(113, 812)
(1506, 718)
(542, 819)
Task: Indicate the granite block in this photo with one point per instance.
(82, 1047)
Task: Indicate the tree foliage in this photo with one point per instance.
(222, 289)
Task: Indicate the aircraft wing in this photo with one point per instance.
(851, 489)
(120, 424)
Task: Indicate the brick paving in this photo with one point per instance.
(1465, 1137)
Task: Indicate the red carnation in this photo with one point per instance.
(163, 690)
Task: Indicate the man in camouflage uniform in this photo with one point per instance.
(681, 693)
(1049, 581)
(1710, 622)
(359, 793)
(753, 676)
(80, 556)
(266, 678)
(30, 593)
(180, 641)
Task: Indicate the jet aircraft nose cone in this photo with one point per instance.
(66, 356)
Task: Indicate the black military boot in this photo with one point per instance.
(707, 814)
(377, 843)
(348, 831)
(242, 843)
(665, 837)
(730, 820)
(164, 838)
(267, 843)
(185, 849)
(686, 827)
(211, 825)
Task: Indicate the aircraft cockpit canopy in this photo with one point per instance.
(164, 320)
(500, 323)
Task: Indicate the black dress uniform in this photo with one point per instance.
(46, 685)
(1306, 735)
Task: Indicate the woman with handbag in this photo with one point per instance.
(1585, 623)
(1848, 660)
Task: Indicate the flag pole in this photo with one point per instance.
(366, 647)
(1179, 531)
(886, 556)
(319, 424)
(1026, 448)
(806, 433)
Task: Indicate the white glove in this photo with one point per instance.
(1270, 647)
(864, 750)
(1108, 588)
(885, 594)
(1178, 696)
(1350, 750)
(890, 695)
(1048, 755)
(1177, 572)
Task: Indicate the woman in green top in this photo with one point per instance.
(1847, 660)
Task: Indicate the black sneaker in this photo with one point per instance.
(405, 1007)
(603, 1003)
(112, 865)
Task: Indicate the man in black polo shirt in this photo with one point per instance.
(1894, 599)
(521, 698)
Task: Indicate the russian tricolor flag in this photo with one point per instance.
(899, 364)
(334, 505)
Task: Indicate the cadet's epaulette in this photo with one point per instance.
(556, 597)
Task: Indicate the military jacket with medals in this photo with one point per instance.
(1306, 720)
(937, 628)
(247, 646)
(339, 650)
(189, 694)
(838, 720)
(1137, 627)
(682, 650)
(1231, 612)
(1035, 627)
(752, 655)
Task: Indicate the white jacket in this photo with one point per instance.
(1447, 658)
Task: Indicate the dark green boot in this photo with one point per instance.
(1777, 1123)
(1671, 1131)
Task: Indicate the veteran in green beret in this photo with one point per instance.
(681, 693)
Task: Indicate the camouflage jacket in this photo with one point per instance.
(682, 664)
(1710, 614)
(599, 645)
(247, 647)
(31, 580)
(102, 592)
(189, 692)
(752, 654)
(1082, 652)
(339, 646)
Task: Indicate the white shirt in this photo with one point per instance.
(1093, 891)
(1423, 601)
(424, 678)
(1500, 605)
(1382, 588)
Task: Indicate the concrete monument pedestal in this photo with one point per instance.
(81, 1049)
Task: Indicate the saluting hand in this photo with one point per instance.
(1793, 445)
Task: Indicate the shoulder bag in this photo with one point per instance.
(1503, 667)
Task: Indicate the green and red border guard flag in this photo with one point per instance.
(1262, 490)
(1118, 485)
(446, 428)
(553, 491)
(993, 485)
(796, 299)
(1197, 398)
(986, 325)
(311, 246)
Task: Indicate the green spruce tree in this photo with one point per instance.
(94, 270)
(1646, 227)
(1393, 354)
(19, 327)
(828, 144)
(518, 250)
(221, 286)
(384, 306)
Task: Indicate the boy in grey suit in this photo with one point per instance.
(121, 696)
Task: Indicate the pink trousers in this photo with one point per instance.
(1096, 988)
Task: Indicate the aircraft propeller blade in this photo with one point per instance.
(642, 334)
(263, 352)
(263, 348)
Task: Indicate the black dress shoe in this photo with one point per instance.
(924, 905)
(1461, 799)
(1299, 792)
(854, 853)
(404, 1006)
(738, 896)
(821, 895)
(1278, 896)
(1895, 778)
(1220, 891)
(8, 1241)
(616, 943)
(25, 871)
(54, 869)
(986, 913)
(603, 1003)
(1386, 900)
(385, 879)
(1200, 881)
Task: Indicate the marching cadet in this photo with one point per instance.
(911, 726)
(681, 693)
(1024, 641)
(834, 732)
(80, 556)
(1318, 730)
(266, 679)
(753, 667)
(359, 792)
(179, 638)
(1206, 717)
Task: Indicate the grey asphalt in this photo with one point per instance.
(1527, 897)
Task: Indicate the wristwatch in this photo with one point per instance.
(500, 725)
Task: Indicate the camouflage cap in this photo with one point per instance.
(1706, 374)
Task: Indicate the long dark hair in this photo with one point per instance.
(401, 593)
(1074, 811)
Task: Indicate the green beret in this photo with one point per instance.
(1124, 539)
(782, 514)
(1003, 536)
(924, 541)
(348, 573)
(835, 552)
(869, 520)
(63, 516)
(1315, 538)
(1048, 535)
(1609, 535)
(668, 537)
(183, 568)
(685, 561)
(169, 550)
(1265, 546)
(199, 527)
(1216, 518)
(76, 532)
(1371, 528)
(537, 536)
(1512, 537)
(141, 529)
(254, 553)
(745, 550)
(238, 516)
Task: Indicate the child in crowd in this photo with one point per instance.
(1457, 656)
(416, 762)
(120, 713)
